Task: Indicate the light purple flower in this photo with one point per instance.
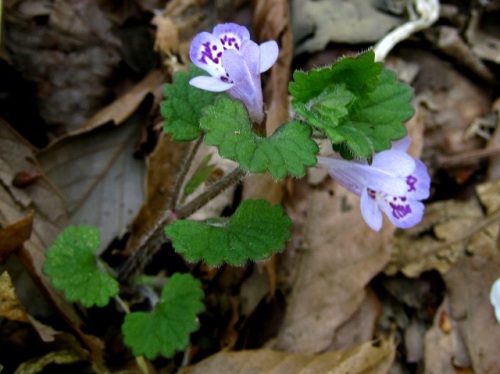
(234, 63)
(495, 298)
(394, 183)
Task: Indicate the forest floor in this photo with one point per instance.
(81, 142)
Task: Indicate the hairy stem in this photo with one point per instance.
(176, 192)
(139, 259)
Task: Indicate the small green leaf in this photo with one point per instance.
(359, 106)
(71, 265)
(184, 105)
(254, 232)
(202, 172)
(288, 151)
(378, 119)
(166, 330)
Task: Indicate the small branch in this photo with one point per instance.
(447, 161)
(182, 175)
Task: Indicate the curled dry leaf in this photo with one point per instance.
(369, 357)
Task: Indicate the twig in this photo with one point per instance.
(446, 161)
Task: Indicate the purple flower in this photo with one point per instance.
(394, 183)
(234, 63)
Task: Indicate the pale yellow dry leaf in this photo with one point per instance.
(367, 358)
(489, 194)
(38, 365)
(10, 306)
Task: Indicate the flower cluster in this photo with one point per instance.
(394, 183)
(234, 63)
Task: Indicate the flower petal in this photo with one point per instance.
(418, 182)
(401, 144)
(348, 174)
(210, 84)
(206, 52)
(243, 69)
(396, 163)
(370, 211)
(269, 52)
(495, 298)
(231, 35)
(403, 212)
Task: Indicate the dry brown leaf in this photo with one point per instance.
(457, 228)
(12, 309)
(38, 365)
(14, 235)
(10, 306)
(468, 284)
(124, 106)
(367, 358)
(49, 219)
(342, 255)
(162, 168)
(316, 23)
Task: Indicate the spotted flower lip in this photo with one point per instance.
(395, 183)
(234, 63)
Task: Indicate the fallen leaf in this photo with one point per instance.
(14, 235)
(101, 181)
(369, 357)
(39, 364)
(69, 59)
(316, 23)
(49, 219)
(162, 168)
(448, 231)
(341, 256)
(10, 306)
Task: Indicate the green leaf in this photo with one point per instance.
(254, 232)
(288, 151)
(166, 330)
(378, 119)
(202, 172)
(71, 265)
(360, 107)
(184, 105)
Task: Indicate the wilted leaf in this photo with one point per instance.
(342, 255)
(39, 364)
(367, 358)
(102, 182)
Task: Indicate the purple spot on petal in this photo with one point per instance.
(400, 211)
(371, 193)
(411, 181)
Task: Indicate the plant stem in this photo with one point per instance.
(139, 259)
(176, 192)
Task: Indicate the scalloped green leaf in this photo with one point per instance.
(360, 107)
(167, 328)
(184, 105)
(254, 232)
(71, 265)
(288, 151)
